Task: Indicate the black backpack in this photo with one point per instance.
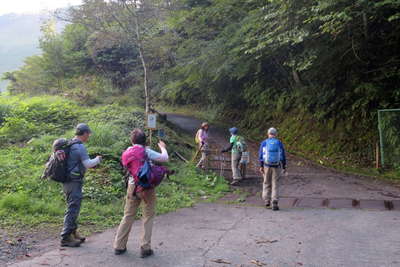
(56, 168)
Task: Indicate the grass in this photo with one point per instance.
(28, 202)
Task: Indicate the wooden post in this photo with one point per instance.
(150, 136)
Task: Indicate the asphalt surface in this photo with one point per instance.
(221, 234)
(247, 236)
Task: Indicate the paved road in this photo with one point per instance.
(238, 235)
(245, 235)
(305, 179)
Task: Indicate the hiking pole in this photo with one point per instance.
(197, 153)
(222, 165)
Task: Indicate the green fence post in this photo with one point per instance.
(381, 137)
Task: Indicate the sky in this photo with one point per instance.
(33, 6)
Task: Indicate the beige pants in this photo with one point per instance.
(203, 163)
(271, 183)
(235, 166)
(131, 207)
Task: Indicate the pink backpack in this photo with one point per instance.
(144, 174)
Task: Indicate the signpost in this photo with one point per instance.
(152, 121)
(151, 124)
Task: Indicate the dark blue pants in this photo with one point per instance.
(73, 197)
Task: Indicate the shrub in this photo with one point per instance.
(4, 111)
(27, 118)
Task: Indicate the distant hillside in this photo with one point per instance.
(19, 38)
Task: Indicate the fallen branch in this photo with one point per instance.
(181, 157)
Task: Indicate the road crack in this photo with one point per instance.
(225, 232)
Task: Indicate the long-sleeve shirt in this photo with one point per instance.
(79, 160)
(232, 144)
(159, 157)
(263, 146)
(203, 136)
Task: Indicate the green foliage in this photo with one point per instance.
(79, 62)
(28, 200)
(330, 62)
(24, 119)
(389, 125)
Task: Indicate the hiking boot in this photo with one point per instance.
(235, 182)
(119, 251)
(170, 172)
(77, 236)
(144, 253)
(275, 205)
(268, 204)
(69, 241)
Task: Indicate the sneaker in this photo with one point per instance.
(268, 204)
(275, 205)
(235, 182)
(77, 236)
(119, 251)
(144, 253)
(69, 241)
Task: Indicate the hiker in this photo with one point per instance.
(133, 158)
(202, 141)
(237, 147)
(272, 164)
(77, 163)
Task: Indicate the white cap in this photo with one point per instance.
(272, 131)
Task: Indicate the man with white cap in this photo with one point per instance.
(272, 161)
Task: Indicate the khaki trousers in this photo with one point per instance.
(271, 183)
(203, 163)
(235, 166)
(131, 207)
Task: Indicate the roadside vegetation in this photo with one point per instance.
(28, 126)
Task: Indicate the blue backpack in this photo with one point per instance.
(272, 152)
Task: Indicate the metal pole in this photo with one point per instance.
(381, 137)
(377, 155)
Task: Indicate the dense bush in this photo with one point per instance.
(27, 118)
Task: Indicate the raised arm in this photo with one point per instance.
(156, 156)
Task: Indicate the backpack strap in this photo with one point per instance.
(70, 144)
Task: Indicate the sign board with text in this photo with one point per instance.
(152, 121)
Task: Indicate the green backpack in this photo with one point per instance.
(241, 144)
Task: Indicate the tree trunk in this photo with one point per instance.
(142, 59)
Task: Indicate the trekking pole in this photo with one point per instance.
(222, 164)
(197, 153)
